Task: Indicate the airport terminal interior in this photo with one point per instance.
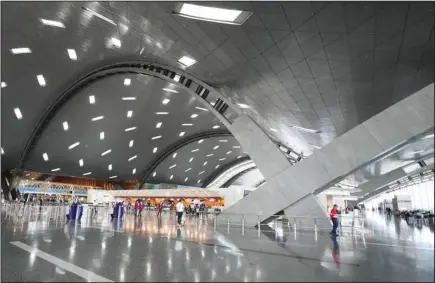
(217, 141)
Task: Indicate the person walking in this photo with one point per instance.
(179, 208)
(334, 218)
(159, 209)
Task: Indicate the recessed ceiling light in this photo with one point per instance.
(129, 113)
(182, 134)
(81, 162)
(212, 14)
(305, 129)
(186, 61)
(193, 116)
(191, 159)
(185, 180)
(3, 152)
(102, 136)
(216, 127)
(154, 174)
(202, 172)
(199, 181)
(187, 170)
(116, 42)
(200, 141)
(127, 81)
(97, 118)
(129, 98)
(236, 146)
(91, 99)
(211, 154)
(113, 177)
(177, 78)
(174, 155)
(100, 16)
(72, 54)
(172, 166)
(216, 147)
(170, 90)
(131, 143)
(21, 50)
(41, 80)
(86, 174)
(65, 126)
(221, 159)
(202, 109)
(55, 170)
(134, 171)
(186, 125)
(273, 129)
(74, 145)
(110, 167)
(172, 176)
(132, 158)
(238, 157)
(106, 152)
(244, 106)
(52, 23)
(130, 129)
(155, 150)
(223, 140)
(217, 166)
(45, 156)
(195, 150)
(4, 84)
(166, 101)
(156, 137)
(158, 125)
(229, 152)
(162, 113)
(205, 163)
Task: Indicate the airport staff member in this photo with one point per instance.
(180, 208)
(334, 218)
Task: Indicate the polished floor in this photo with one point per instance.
(38, 245)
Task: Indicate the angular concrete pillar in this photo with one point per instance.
(288, 188)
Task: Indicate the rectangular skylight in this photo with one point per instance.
(106, 152)
(177, 78)
(242, 105)
(3, 152)
(172, 166)
(170, 90)
(129, 113)
(191, 159)
(102, 136)
(186, 125)
(202, 172)
(115, 42)
(199, 181)
(182, 134)
(156, 137)
(238, 157)
(215, 147)
(132, 158)
(100, 16)
(174, 155)
(212, 14)
(200, 141)
(217, 166)
(158, 125)
(129, 98)
(18, 114)
(236, 146)
(45, 156)
(155, 150)
(429, 136)
(185, 180)
(74, 145)
(4, 84)
(216, 127)
(211, 154)
(127, 81)
(205, 163)
(113, 177)
(165, 101)
(202, 109)
(110, 167)
(195, 150)
(91, 99)
(229, 152)
(172, 176)
(162, 113)
(187, 170)
(55, 170)
(65, 126)
(41, 80)
(97, 118)
(130, 129)
(21, 50)
(223, 140)
(186, 61)
(221, 159)
(134, 171)
(193, 116)
(86, 174)
(81, 162)
(72, 54)
(131, 143)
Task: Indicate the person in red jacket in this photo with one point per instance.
(334, 218)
